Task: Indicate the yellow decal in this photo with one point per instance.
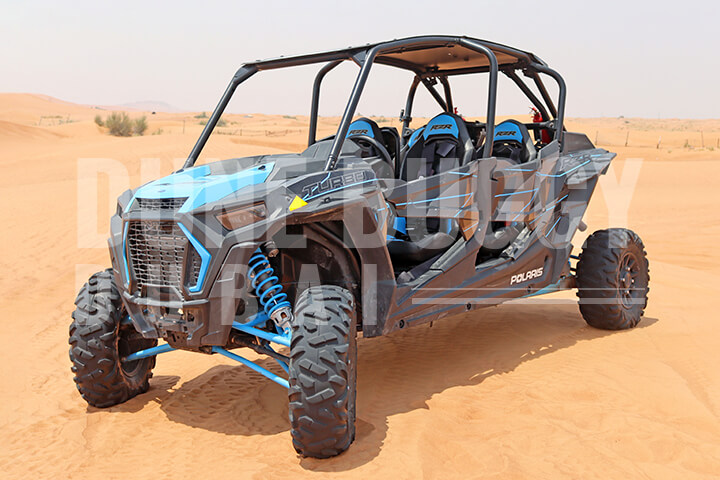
(297, 203)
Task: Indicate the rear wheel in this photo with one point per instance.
(323, 355)
(613, 278)
(99, 339)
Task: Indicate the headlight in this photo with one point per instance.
(243, 216)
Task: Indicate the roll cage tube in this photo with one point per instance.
(406, 116)
(560, 116)
(367, 61)
(448, 94)
(429, 86)
(243, 73)
(528, 93)
(365, 56)
(446, 104)
(315, 105)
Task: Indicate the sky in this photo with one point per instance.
(632, 58)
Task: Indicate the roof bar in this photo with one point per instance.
(315, 105)
(560, 117)
(377, 53)
(528, 93)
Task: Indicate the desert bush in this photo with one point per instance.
(119, 124)
(140, 125)
(99, 121)
(202, 115)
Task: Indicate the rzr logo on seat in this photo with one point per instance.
(358, 132)
(524, 277)
(445, 126)
(505, 134)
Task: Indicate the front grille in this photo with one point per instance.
(156, 250)
(194, 264)
(160, 204)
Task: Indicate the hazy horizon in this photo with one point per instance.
(618, 58)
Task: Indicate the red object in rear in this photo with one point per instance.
(538, 118)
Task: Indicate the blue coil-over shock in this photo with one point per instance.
(268, 289)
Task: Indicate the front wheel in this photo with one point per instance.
(99, 341)
(612, 279)
(323, 378)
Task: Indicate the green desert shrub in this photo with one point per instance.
(119, 124)
(99, 121)
(140, 125)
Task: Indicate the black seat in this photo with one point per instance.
(513, 141)
(416, 240)
(393, 144)
(365, 127)
(372, 141)
(442, 144)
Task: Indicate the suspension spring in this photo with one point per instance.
(268, 289)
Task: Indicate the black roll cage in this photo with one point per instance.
(427, 75)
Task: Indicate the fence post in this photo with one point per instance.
(658, 144)
(702, 139)
(627, 138)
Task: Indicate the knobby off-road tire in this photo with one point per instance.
(613, 278)
(323, 356)
(99, 339)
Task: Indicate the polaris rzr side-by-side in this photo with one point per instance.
(370, 230)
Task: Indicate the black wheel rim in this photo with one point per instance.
(628, 274)
(129, 341)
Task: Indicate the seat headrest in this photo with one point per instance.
(445, 124)
(415, 135)
(511, 130)
(445, 136)
(365, 126)
(512, 140)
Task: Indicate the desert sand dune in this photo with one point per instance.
(523, 390)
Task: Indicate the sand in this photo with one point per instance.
(524, 390)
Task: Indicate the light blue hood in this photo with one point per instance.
(200, 186)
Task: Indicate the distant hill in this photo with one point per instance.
(152, 106)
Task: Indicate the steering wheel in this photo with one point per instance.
(379, 147)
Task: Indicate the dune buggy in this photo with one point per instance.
(370, 230)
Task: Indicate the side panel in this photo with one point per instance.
(556, 190)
